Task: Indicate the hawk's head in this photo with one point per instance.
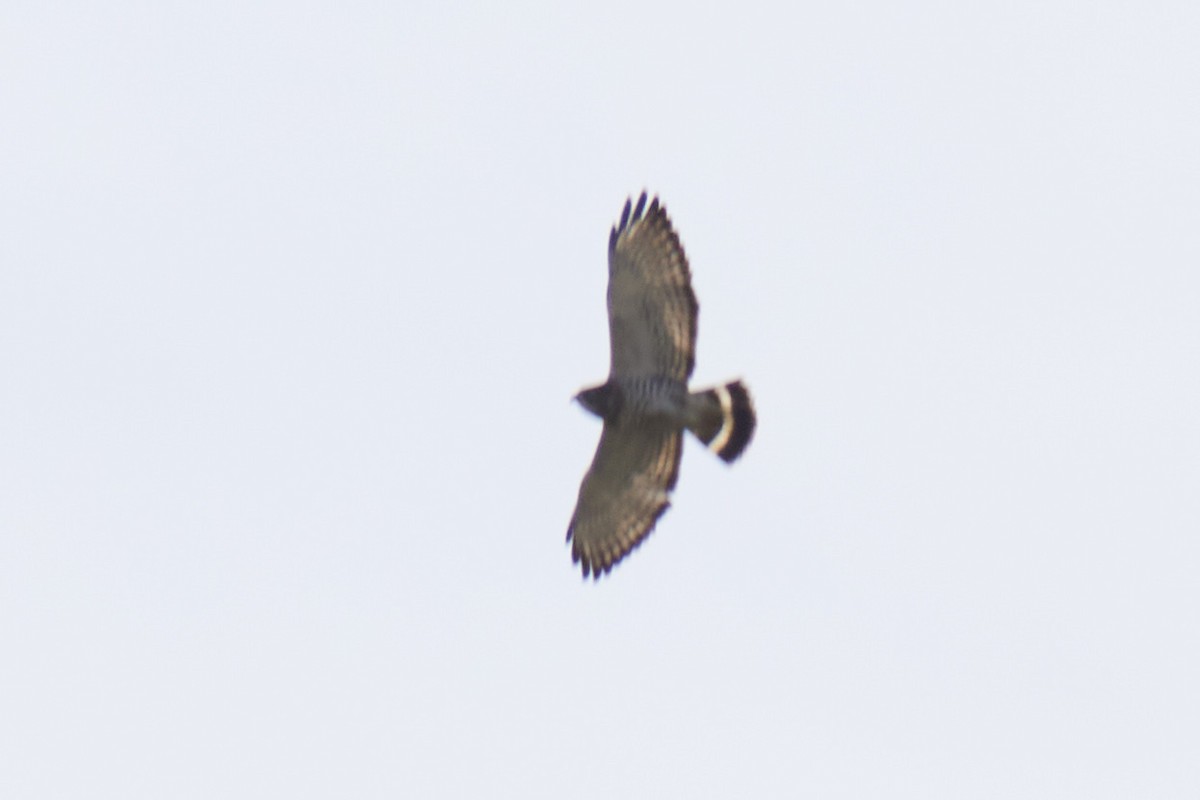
(604, 401)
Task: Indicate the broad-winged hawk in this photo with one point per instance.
(645, 403)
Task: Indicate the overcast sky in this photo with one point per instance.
(294, 298)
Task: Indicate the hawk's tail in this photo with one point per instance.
(723, 418)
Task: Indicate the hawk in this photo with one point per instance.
(645, 403)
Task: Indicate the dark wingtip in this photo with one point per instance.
(595, 564)
(641, 206)
(629, 215)
(591, 570)
(744, 422)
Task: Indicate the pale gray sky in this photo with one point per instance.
(293, 298)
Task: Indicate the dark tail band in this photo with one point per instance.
(729, 433)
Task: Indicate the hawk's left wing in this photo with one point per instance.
(624, 492)
(651, 306)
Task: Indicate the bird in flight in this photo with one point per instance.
(645, 403)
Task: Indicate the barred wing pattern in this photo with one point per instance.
(624, 492)
(646, 403)
(651, 307)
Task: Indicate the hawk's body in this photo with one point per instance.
(646, 404)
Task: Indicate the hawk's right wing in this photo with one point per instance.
(651, 306)
(624, 493)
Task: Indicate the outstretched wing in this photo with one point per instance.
(651, 306)
(624, 492)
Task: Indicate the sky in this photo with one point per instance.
(294, 298)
